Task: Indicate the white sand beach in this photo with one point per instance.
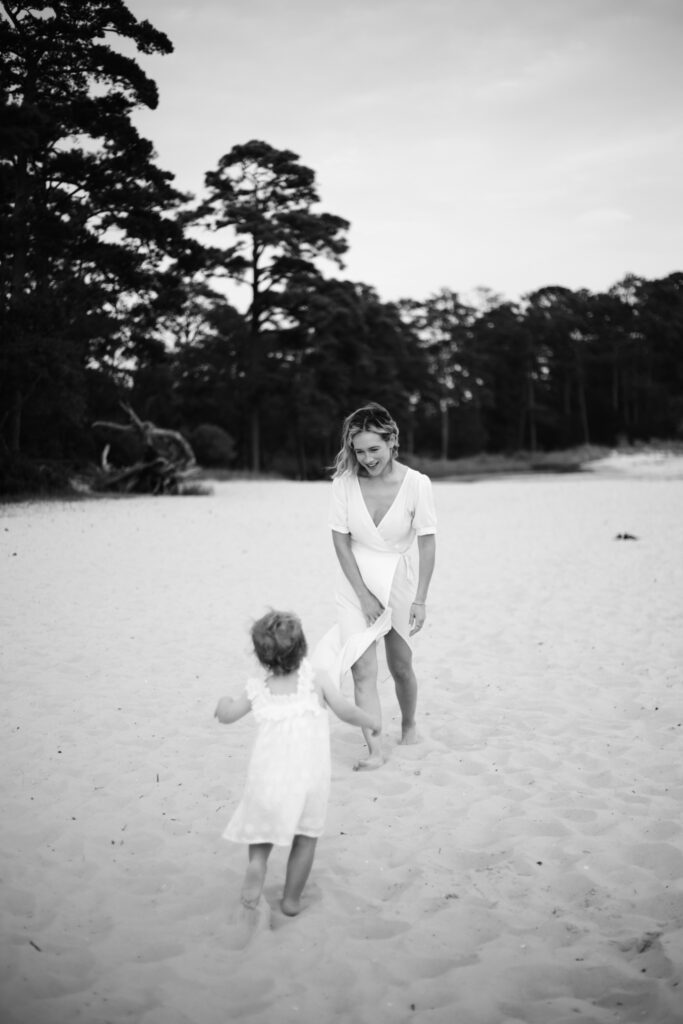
(522, 863)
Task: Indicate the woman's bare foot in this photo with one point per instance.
(252, 887)
(369, 764)
(409, 734)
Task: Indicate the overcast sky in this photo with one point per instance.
(510, 144)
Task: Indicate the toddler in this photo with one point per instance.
(288, 779)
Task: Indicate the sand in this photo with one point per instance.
(522, 863)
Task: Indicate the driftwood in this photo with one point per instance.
(142, 458)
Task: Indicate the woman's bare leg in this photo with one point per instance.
(364, 673)
(299, 866)
(400, 662)
(255, 876)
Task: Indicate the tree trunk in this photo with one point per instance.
(583, 407)
(567, 397)
(15, 423)
(19, 258)
(301, 458)
(445, 431)
(410, 438)
(255, 436)
(255, 357)
(531, 412)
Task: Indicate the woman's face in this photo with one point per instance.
(373, 453)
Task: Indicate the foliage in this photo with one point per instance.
(88, 251)
(105, 296)
(267, 201)
(212, 445)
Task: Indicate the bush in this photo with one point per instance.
(212, 445)
(489, 464)
(20, 475)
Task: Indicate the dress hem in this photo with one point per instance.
(273, 842)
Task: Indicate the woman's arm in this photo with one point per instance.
(426, 548)
(231, 709)
(370, 606)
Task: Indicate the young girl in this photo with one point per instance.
(288, 779)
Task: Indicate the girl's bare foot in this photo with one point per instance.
(252, 887)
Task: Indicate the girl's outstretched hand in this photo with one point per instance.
(230, 710)
(222, 712)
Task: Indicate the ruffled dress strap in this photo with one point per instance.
(254, 688)
(306, 676)
(306, 689)
(268, 706)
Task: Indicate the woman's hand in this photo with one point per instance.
(371, 607)
(418, 614)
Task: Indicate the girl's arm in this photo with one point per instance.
(426, 548)
(370, 606)
(344, 709)
(230, 709)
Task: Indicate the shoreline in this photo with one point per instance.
(586, 458)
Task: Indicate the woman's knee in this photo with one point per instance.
(364, 671)
(400, 661)
(402, 673)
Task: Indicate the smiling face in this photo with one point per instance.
(374, 453)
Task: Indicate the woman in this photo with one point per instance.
(379, 506)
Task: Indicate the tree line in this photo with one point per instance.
(115, 287)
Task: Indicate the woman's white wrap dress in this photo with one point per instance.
(385, 556)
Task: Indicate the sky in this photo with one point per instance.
(499, 144)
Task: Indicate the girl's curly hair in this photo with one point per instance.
(279, 642)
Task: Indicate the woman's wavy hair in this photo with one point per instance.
(279, 642)
(373, 417)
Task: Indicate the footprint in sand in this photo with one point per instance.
(159, 951)
(579, 814)
(62, 976)
(247, 923)
(429, 967)
(647, 955)
(663, 859)
(376, 928)
(386, 786)
(19, 902)
(453, 739)
(410, 751)
(392, 884)
(663, 830)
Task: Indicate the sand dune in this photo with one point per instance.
(522, 863)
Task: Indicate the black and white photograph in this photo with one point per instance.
(341, 512)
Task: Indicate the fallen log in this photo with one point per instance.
(148, 459)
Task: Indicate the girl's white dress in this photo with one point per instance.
(288, 778)
(384, 554)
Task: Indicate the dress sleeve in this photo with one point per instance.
(424, 518)
(339, 514)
